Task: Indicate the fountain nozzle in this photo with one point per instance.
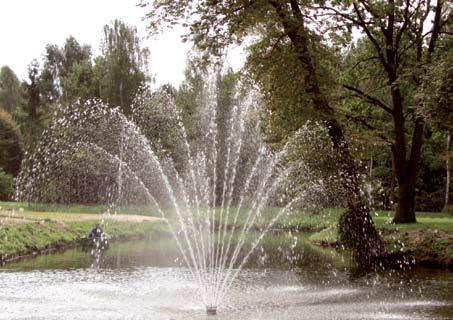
(211, 310)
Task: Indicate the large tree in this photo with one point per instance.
(121, 69)
(10, 144)
(402, 43)
(70, 70)
(215, 25)
(10, 90)
(33, 110)
(437, 96)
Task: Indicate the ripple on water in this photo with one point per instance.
(170, 293)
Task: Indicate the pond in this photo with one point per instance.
(145, 280)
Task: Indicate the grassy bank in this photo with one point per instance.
(28, 233)
(429, 241)
(28, 228)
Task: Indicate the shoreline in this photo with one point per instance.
(26, 238)
(62, 246)
(26, 234)
(414, 250)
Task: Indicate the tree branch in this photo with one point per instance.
(365, 124)
(362, 61)
(437, 24)
(403, 28)
(370, 99)
(370, 35)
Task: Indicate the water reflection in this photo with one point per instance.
(144, 280)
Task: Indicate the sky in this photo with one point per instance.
(26, 26)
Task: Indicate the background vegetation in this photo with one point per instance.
(376, 74)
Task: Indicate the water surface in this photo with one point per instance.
(145, 280)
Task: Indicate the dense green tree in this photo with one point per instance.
(121, 69)
(400, 54)
(10, 144)
(71, 70)
(10, 90)
(273, 64)
(6, 185)
(32, 113)
(189, 99)
(158, 118)
(226, 99)
(10, 154)
(437, 97)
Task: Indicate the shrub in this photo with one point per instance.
(6, 185)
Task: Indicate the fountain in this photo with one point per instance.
(213, 187)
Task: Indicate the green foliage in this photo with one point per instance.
(6, 185)
(437, 88)
(188, 99)
(10, 144)
(32, 114)
(121, 69)
(273, 64)
(71, 69)
(10, 90)
(159, 120)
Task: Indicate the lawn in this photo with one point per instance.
(72, 208)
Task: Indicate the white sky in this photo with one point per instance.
(26, 26)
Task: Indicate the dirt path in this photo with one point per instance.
(20, 217)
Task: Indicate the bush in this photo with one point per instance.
(6, 185)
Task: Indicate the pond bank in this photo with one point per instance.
(428, 243)
(31, 233)
(27, 233)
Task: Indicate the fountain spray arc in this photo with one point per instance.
(213, 185)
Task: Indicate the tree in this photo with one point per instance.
(437, 97)
(33, 104)
(403, 49)
(31, 115)
(216, 25)
(70, 69)
(6, 185)
(10, 90)
(189, 98)
(10, 154)
(10, 144)
(121, 70)
(156, 115)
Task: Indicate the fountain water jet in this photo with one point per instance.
(210, 199)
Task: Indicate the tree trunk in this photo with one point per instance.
(405, 210)
(356, 229)
(447, 184)
(392, 197)
(407, 170)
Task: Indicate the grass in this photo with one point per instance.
(37, 236)
(429, 240)
(301, 221)
(72, 208)
(26, 231)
